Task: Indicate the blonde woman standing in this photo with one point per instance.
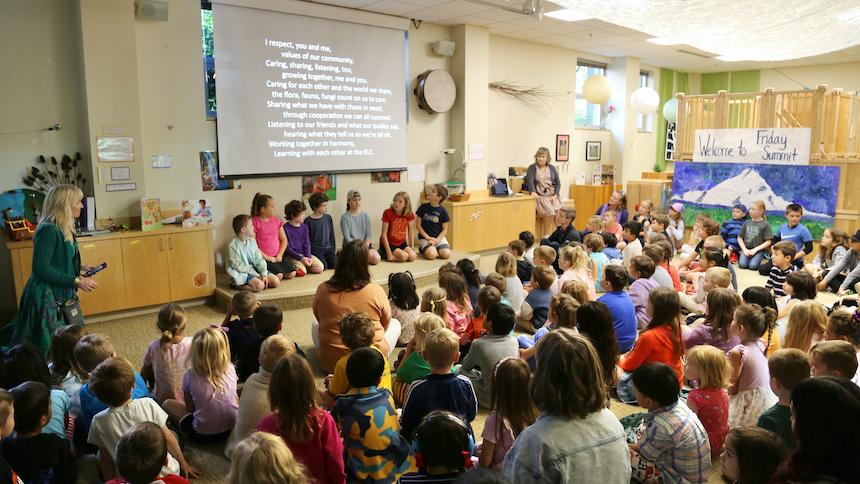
(57, 272)
(543, 182)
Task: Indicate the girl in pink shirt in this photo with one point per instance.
(459, 307)
(270, 235)
(575, 263)
(164, 360)
(309, 431)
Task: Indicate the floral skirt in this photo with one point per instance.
(38, 317)
(747, 406)
(547, 206)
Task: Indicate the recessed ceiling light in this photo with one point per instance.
(662, 41)
(728, 58)
(568, 15)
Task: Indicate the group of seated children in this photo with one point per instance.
(267, 250)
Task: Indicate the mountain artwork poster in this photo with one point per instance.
(713, 188)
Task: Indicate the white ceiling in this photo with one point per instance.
(588, 36)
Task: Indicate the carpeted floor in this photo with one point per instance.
(131, 335)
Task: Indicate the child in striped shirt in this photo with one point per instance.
(783, 254)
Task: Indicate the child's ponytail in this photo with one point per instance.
(258, 203)
(171, 321)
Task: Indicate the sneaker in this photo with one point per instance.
(300, 272)
(733, 258)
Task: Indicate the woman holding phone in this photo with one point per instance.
(57, 272)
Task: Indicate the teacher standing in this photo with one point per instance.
(543, 182)
(56, 275)
(349, 291)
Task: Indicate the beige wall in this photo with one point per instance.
(845, 76)
(515, 131)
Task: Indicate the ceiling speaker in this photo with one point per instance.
(153, 10)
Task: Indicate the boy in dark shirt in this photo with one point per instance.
(788, 367)
(37, 457)
(517, 248)
(321, 230)
(433, 224)
(441, 390)
(268, 320)
(783, 253)
(564, 232)
(240, 332)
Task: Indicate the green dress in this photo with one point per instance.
(56, 264)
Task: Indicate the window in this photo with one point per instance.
(587, 114)
(208, 61)
(644, 122)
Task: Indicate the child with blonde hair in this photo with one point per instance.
(544, 255)
(398, 234)
(254, 404)
(458, 306)
(297, 417)
(435, 300)
(749, 389)
(578, 290)
(575, 264)
(512, 411)
(414, 366)
(713, 329)
(506, 265)
(561, 314)
(594, 244)
(807, 322)
(211, 403)
(708, 368)
(164, 360)
(594, 225)
(263, 458)
(755, 236)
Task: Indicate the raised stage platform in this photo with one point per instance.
(299, 292)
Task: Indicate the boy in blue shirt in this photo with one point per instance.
(731, 228)
(795, 232)
(620, 305)
(321, 230)
(535, 308)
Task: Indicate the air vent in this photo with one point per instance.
(703, 56)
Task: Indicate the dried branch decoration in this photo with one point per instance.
(537, 98)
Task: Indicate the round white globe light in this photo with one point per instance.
(645, 100)
(597, 89)
(670, 110)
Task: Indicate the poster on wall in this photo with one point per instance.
(713, 188)
(322, 182)
(562, 147)
(195, 212)
(113, 149)
(385, 177)
(786, 146)
(209, 173)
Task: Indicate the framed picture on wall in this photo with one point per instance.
(562, 147)
(593, 150)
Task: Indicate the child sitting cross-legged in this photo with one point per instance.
(309, 431)
(660, 341)
(562, 314)
(112, 381)
(240, 332)
(641, 270)
(263, 458)
(620, 305)
(254, 404)
(611, 246)
(374, 450)
(708, 368)
(321, 230)
(403, 297)
(66, 372)
(458, 305)
(598, 260)
(731, 229)
(91, 350)
(512, 411)
(473, 279)
(268, 321)
(413, 365)
(783, 255)
(164, 361)
(833, 358)
(209, 411)
(545, 256)
(787, 368)
(487, 351)
(675, 446)
(140, 455)
(517, 248)
(33, 455)
(299, 246)
(506, 265)
(442, 449)
(533, 312)
(441, 389)
(356, 331)
(528, 239)
(713, 328)
(575, 264)
(748, 392)
(245, 263)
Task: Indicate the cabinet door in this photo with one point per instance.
(24, 261)
(189, 256)
(146, 280)
(110, 295)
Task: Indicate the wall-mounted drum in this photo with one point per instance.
(436, 91)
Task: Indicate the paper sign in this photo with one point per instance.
(111, 149)
(476, 152)
(415, 173)
(773, 146)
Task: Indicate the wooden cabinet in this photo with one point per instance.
(110, 295)
(144, 268)
(587, 199)
(485, 222)
(655, 190)
(145, 262)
